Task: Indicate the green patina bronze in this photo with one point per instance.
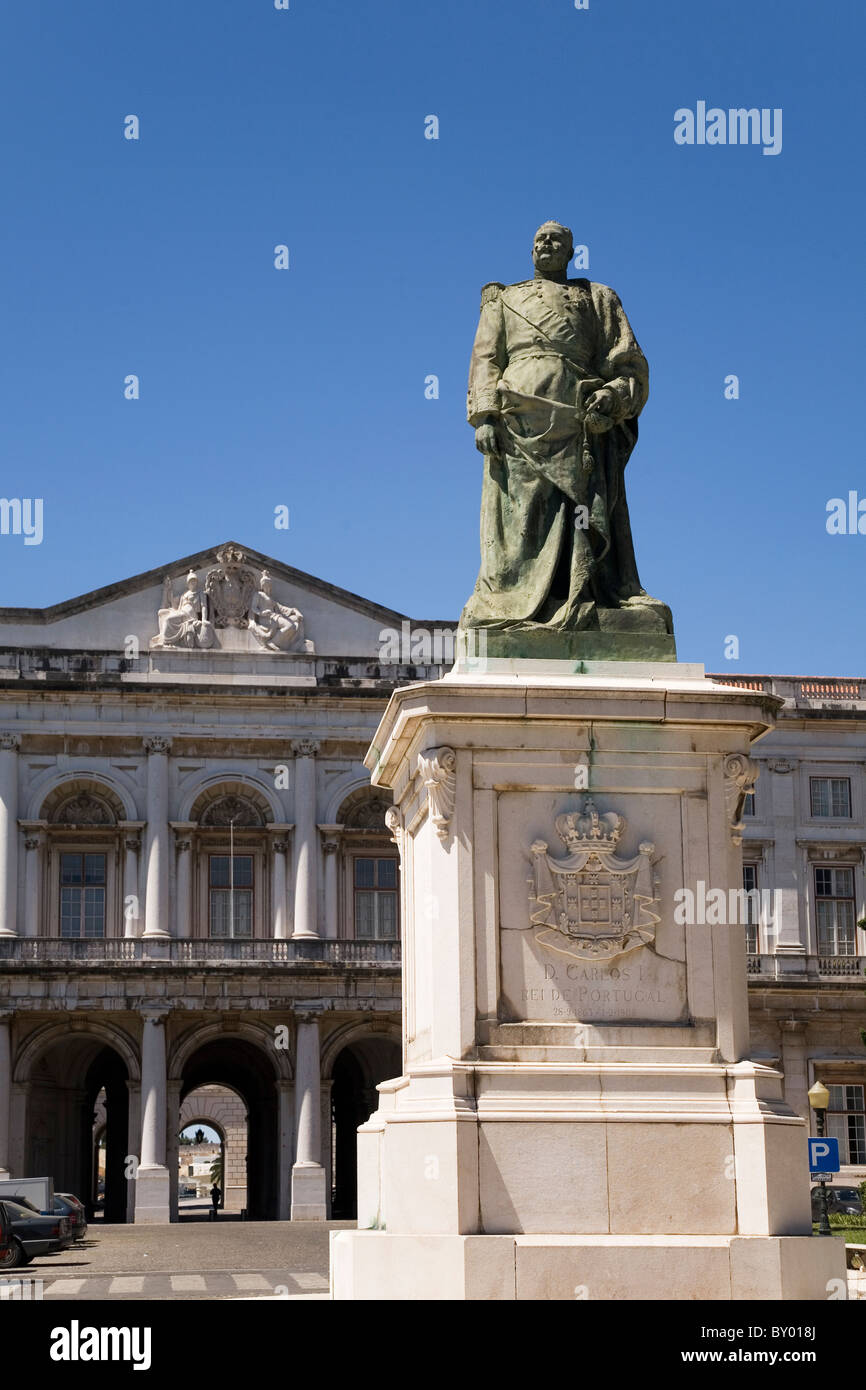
(556, 384)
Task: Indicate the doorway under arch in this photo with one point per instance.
(223, 1111)
(358, 1069)
(239, 1070)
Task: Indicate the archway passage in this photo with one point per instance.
(357, 1071)
(223, 1113)
(236, 1065)
(64, 1130)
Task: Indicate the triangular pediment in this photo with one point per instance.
(223, 605)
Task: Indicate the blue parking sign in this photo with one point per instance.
(823, 1155)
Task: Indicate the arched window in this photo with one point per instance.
(371, 869)
(82, 819)
(231, 848)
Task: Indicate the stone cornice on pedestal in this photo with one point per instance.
(514, 699)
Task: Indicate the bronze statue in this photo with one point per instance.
(556, 384)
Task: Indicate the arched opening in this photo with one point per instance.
(201, 1162)
(221, 1113)
(236, 1068)
(357, 1071)
(79, 1108)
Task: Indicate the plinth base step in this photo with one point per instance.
(378, 1265)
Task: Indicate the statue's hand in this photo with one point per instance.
(597, 423)
(487, 438)
(600, 407)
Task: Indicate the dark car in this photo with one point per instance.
(67, 1205)
(34, 1234)
(845, 1201)
(5, 1237)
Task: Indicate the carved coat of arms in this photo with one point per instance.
(230, 587)
(592, 904)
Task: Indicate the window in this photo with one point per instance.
(230, 890)
(834, 911)
(831, 796)
(376, 899)
(846, 1122)
(750, 883)
(82, 895)
(749, 803)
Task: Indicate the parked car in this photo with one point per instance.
(845, 1201)
(6, 1247)
(34, 1234)
(65, 1204)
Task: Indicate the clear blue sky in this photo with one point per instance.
(306, 387)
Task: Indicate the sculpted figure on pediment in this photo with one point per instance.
(184, 624)
(276, 626)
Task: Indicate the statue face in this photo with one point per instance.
(551, 250)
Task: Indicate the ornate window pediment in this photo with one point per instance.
(233, 809)
(82, 801)
(84, 809)
(363, 811)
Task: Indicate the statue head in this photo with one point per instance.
(192, 580)
(552, 248)
(265, 582)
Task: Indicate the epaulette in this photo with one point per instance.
(491, 292)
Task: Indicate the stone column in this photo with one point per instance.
(5, 1091)
(306, 838)
(183, 906)
(34, 839)
(286, 1132)
(156, 889)
(152, 1183)
(9, 745)
(794, 1065)
(172, 1145)
(330, 846)
(131, 886)
(790, 946)
(279, 908)
(309, 1187)
(133, 1138)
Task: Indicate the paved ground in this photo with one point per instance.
(213, 1260)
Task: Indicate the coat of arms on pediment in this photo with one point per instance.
(593, 904)
(230, 586)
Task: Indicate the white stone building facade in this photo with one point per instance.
(197, 886)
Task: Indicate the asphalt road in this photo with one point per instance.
(195, 1261)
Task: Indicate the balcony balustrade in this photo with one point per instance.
(119, 950)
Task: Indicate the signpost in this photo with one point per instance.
(824, 1158)
(823, 1164)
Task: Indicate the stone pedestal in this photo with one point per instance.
(578, 1114)
(152, 1195)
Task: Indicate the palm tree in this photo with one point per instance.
(216, 1170)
